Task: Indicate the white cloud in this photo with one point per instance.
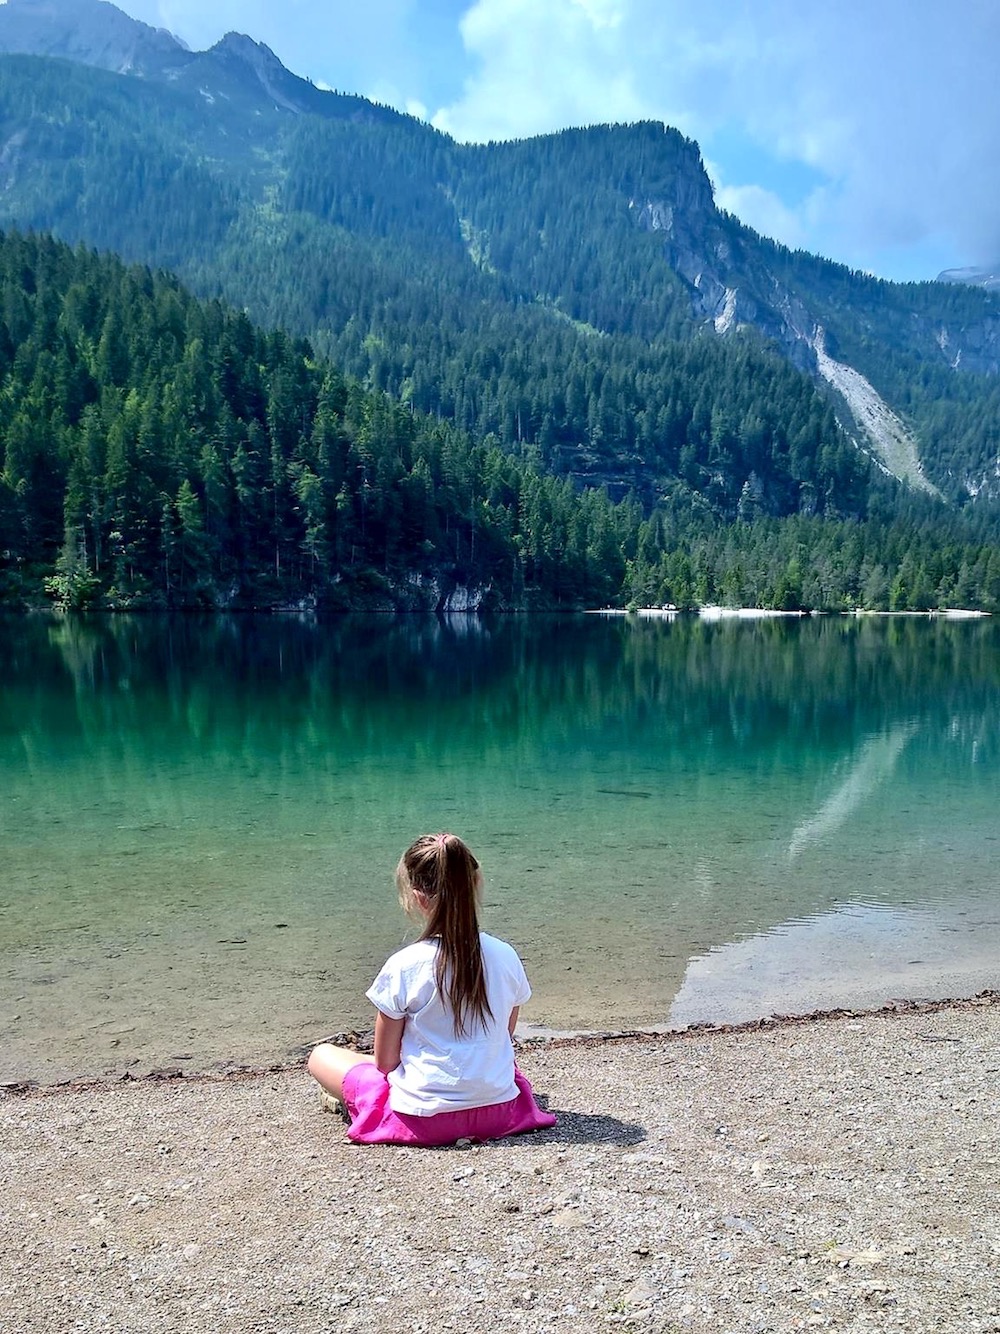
(542, 65)
(603, 13)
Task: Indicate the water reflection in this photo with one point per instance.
(874, 764)
(835, 682)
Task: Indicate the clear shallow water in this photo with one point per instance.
(677, 820)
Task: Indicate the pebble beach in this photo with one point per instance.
(837, 1172)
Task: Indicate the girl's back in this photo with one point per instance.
(442, 1070)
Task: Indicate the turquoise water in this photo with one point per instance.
(678, 820)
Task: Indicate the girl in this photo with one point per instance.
(443, 1068)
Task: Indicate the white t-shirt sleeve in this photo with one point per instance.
(523, 992)
(407, 982)
(388, 992)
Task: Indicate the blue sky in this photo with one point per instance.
(864, 130)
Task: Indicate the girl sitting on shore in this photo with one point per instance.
(443, 1068)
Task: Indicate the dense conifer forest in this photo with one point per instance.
(161, 451)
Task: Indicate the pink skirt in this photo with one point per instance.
(366, 1094)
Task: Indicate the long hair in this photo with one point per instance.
(445, 873)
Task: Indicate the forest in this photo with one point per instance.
(162, 451)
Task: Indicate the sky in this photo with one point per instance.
(863, 130)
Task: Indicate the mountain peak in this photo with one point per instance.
(90, 32)
(238, 43)
(236, 53)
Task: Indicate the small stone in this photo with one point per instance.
(868, 1257)
(840, 1255)
(641, 1293)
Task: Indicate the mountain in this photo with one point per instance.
(577, 295)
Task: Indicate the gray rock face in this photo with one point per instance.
(733, 285)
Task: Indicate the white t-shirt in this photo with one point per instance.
(438, 1070)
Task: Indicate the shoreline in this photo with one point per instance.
(808, 1172)
(715, 612)
(529, 1041)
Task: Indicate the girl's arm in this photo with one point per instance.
(512, 1021)
(388, 1040)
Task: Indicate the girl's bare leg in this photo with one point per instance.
(329, 1064)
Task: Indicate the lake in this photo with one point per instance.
(678, 820)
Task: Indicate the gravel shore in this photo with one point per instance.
(840, 1173)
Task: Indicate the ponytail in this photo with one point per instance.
(446, 875)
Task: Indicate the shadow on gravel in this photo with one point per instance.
(587, 1128)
